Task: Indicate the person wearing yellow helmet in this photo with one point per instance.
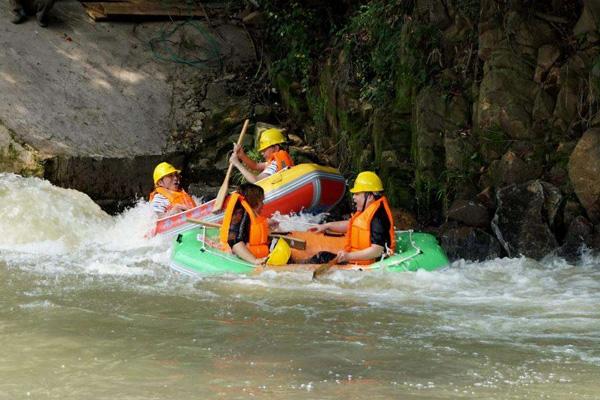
(168, 197)
(370, 230)
(270, 146)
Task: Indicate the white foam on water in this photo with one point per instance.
(60, 232)
(54, 230)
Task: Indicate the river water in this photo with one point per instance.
(89, 309)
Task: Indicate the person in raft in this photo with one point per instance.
(269, 145)
(168, 197)
(244, 231)
(370, 230)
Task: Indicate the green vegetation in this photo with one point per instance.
(349, 74)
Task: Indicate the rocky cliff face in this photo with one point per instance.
(459, 104)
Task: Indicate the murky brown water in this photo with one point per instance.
(90, 310)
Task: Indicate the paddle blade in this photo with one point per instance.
(220, 199)
(323, 268)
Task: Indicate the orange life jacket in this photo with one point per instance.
(259, 228)
(175, 197)
(282, 158)
(359, 229)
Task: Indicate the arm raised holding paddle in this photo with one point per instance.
(271, 148)
(225, 186)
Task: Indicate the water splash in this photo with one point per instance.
(47, 228)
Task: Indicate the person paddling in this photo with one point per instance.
(269, 145)
(243, 230)
(168, 197)
(370, 230)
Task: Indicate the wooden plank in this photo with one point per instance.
(122, 9)
(94, 11)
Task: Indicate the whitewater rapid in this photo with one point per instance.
(504, 323)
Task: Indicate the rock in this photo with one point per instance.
(573, 90)
(435, 12)
(520, 222)
(553, 200)
(433, 119)
(295, 140)
(565, 111)
(584, 172)
(543, 106)
(262, 111)
(547, 56)
(589, 18)
(571, 211)
(255, 18)
(469, 244)
(487, 198)
(204, 192)
(469, 213)
(557, 175)
(596, 238)
(506, 99)
(76, 172)
(17, 158)
(404, 219)
(511, 169)
(579, 234)
(529, 34)
(458, 150)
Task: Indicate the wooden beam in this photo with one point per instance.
(107, 10)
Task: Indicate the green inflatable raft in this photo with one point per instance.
(197, 253)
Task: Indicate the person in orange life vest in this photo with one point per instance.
(243, 230)
(370, 231)
(168, 197)
(275, 157)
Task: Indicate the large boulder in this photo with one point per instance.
(511, 169)
(469, 243)
(579, 234)
(521, 220)
(584, 172)
(469, 213)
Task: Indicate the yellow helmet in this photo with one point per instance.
(281, 253)
(367, 181)
(163, 169)
(269, 138)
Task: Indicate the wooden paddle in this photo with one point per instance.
(295, 243)
(323, 268)
(205, 223)
(225, 186)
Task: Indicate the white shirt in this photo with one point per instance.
(159, 203)
(270, 169)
